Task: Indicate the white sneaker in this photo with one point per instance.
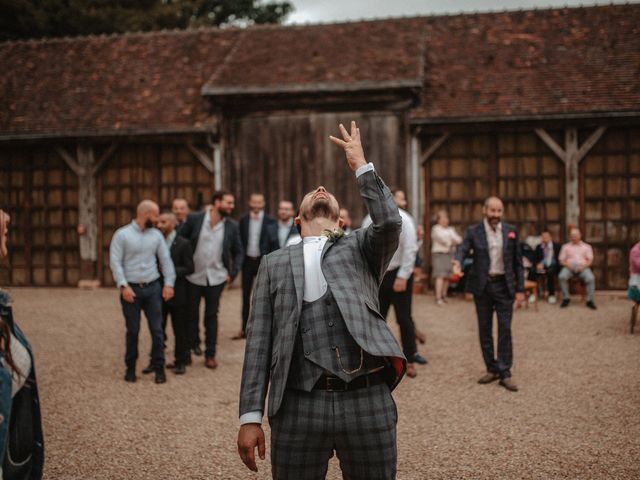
(440, 302)
(532, 298)
(551, 299)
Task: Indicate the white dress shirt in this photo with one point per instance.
(495, 242)
(207, 259)
(315, 285)
(283, 231)
(405, 257)
(255, 228)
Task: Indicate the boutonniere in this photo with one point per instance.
(511, 235)
(333, 234)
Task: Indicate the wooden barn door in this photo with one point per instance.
(41, 194)
(284, 156)
(160, 172)
(517, 167)
(610, 204)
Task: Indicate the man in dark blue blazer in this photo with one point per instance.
(495, 278)
(217, 258)
(259, 234)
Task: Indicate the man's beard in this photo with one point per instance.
(148, 223)
(493, 221)
(223, 213)
(321, 208)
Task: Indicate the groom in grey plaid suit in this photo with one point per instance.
(316, 335)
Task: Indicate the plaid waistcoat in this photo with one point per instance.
(324, 346)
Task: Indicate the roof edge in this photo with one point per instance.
(312, 88)
(105, 133)
(526, 117)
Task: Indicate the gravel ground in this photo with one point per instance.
(576, 416)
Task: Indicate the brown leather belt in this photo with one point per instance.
(334, 384)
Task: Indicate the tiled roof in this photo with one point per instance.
(531, 63)
(316, 58)
(109, 84)
(470, 66)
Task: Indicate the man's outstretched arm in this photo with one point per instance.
(381, 237)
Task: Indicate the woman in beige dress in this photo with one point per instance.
(444, 240)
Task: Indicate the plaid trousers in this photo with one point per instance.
(359, 425)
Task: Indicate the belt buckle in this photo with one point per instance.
(336, 381)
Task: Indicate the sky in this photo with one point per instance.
(323, 11)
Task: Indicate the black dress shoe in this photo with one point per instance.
(591, 305)
(160, 375)
(130, 375)
(197, 350)
(148, 369)
(565, 303)
(179, 369)
(420, 359)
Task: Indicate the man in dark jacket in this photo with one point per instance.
(259, 234)
(546, 263)
(182, 257)
(217, 258)
(495, 278)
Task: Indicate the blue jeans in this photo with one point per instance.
(585, 275)
(149, 300)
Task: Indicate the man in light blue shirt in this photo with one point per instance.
(133, 253)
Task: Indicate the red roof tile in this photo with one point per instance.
(529, 63)
(497, 65)
(332, 57)
(109, 84)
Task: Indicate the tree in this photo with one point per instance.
(20, 19)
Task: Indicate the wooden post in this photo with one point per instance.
(86, 167)
(571, 155)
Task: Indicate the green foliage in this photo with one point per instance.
(21, 19)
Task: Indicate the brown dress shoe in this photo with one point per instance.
(509, 384)
(239, 336)
(488, 378)
(210, 362)
(411, 370)
(420, 336)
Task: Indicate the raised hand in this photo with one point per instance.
(352, 146)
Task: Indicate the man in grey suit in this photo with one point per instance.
(316, 335)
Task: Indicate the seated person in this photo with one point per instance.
(575, 258)
(547, 264)
(634, 273)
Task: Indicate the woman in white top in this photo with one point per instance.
(444, 240)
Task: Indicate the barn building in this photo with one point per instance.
(539, 107)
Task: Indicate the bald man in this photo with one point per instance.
(135, 252)
(496, 277)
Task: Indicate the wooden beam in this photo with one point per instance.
(106, 155)
(69, 160)
(202, 157)
(551, 143)
(589, 143)
(434, 147)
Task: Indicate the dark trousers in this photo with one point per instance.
(495, 297)
(249, 271)
(401, 302)
(359, 425)
(179, 319)
(149, 300)
(211, 294)
(551, 273)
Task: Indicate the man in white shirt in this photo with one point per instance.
(397, 284)
(217, 258)
(286, 228)
(259, 235)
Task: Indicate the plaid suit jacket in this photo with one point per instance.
(353, 266)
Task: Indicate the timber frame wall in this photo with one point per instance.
(555, 176)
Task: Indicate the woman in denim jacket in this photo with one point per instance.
(21, 442)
